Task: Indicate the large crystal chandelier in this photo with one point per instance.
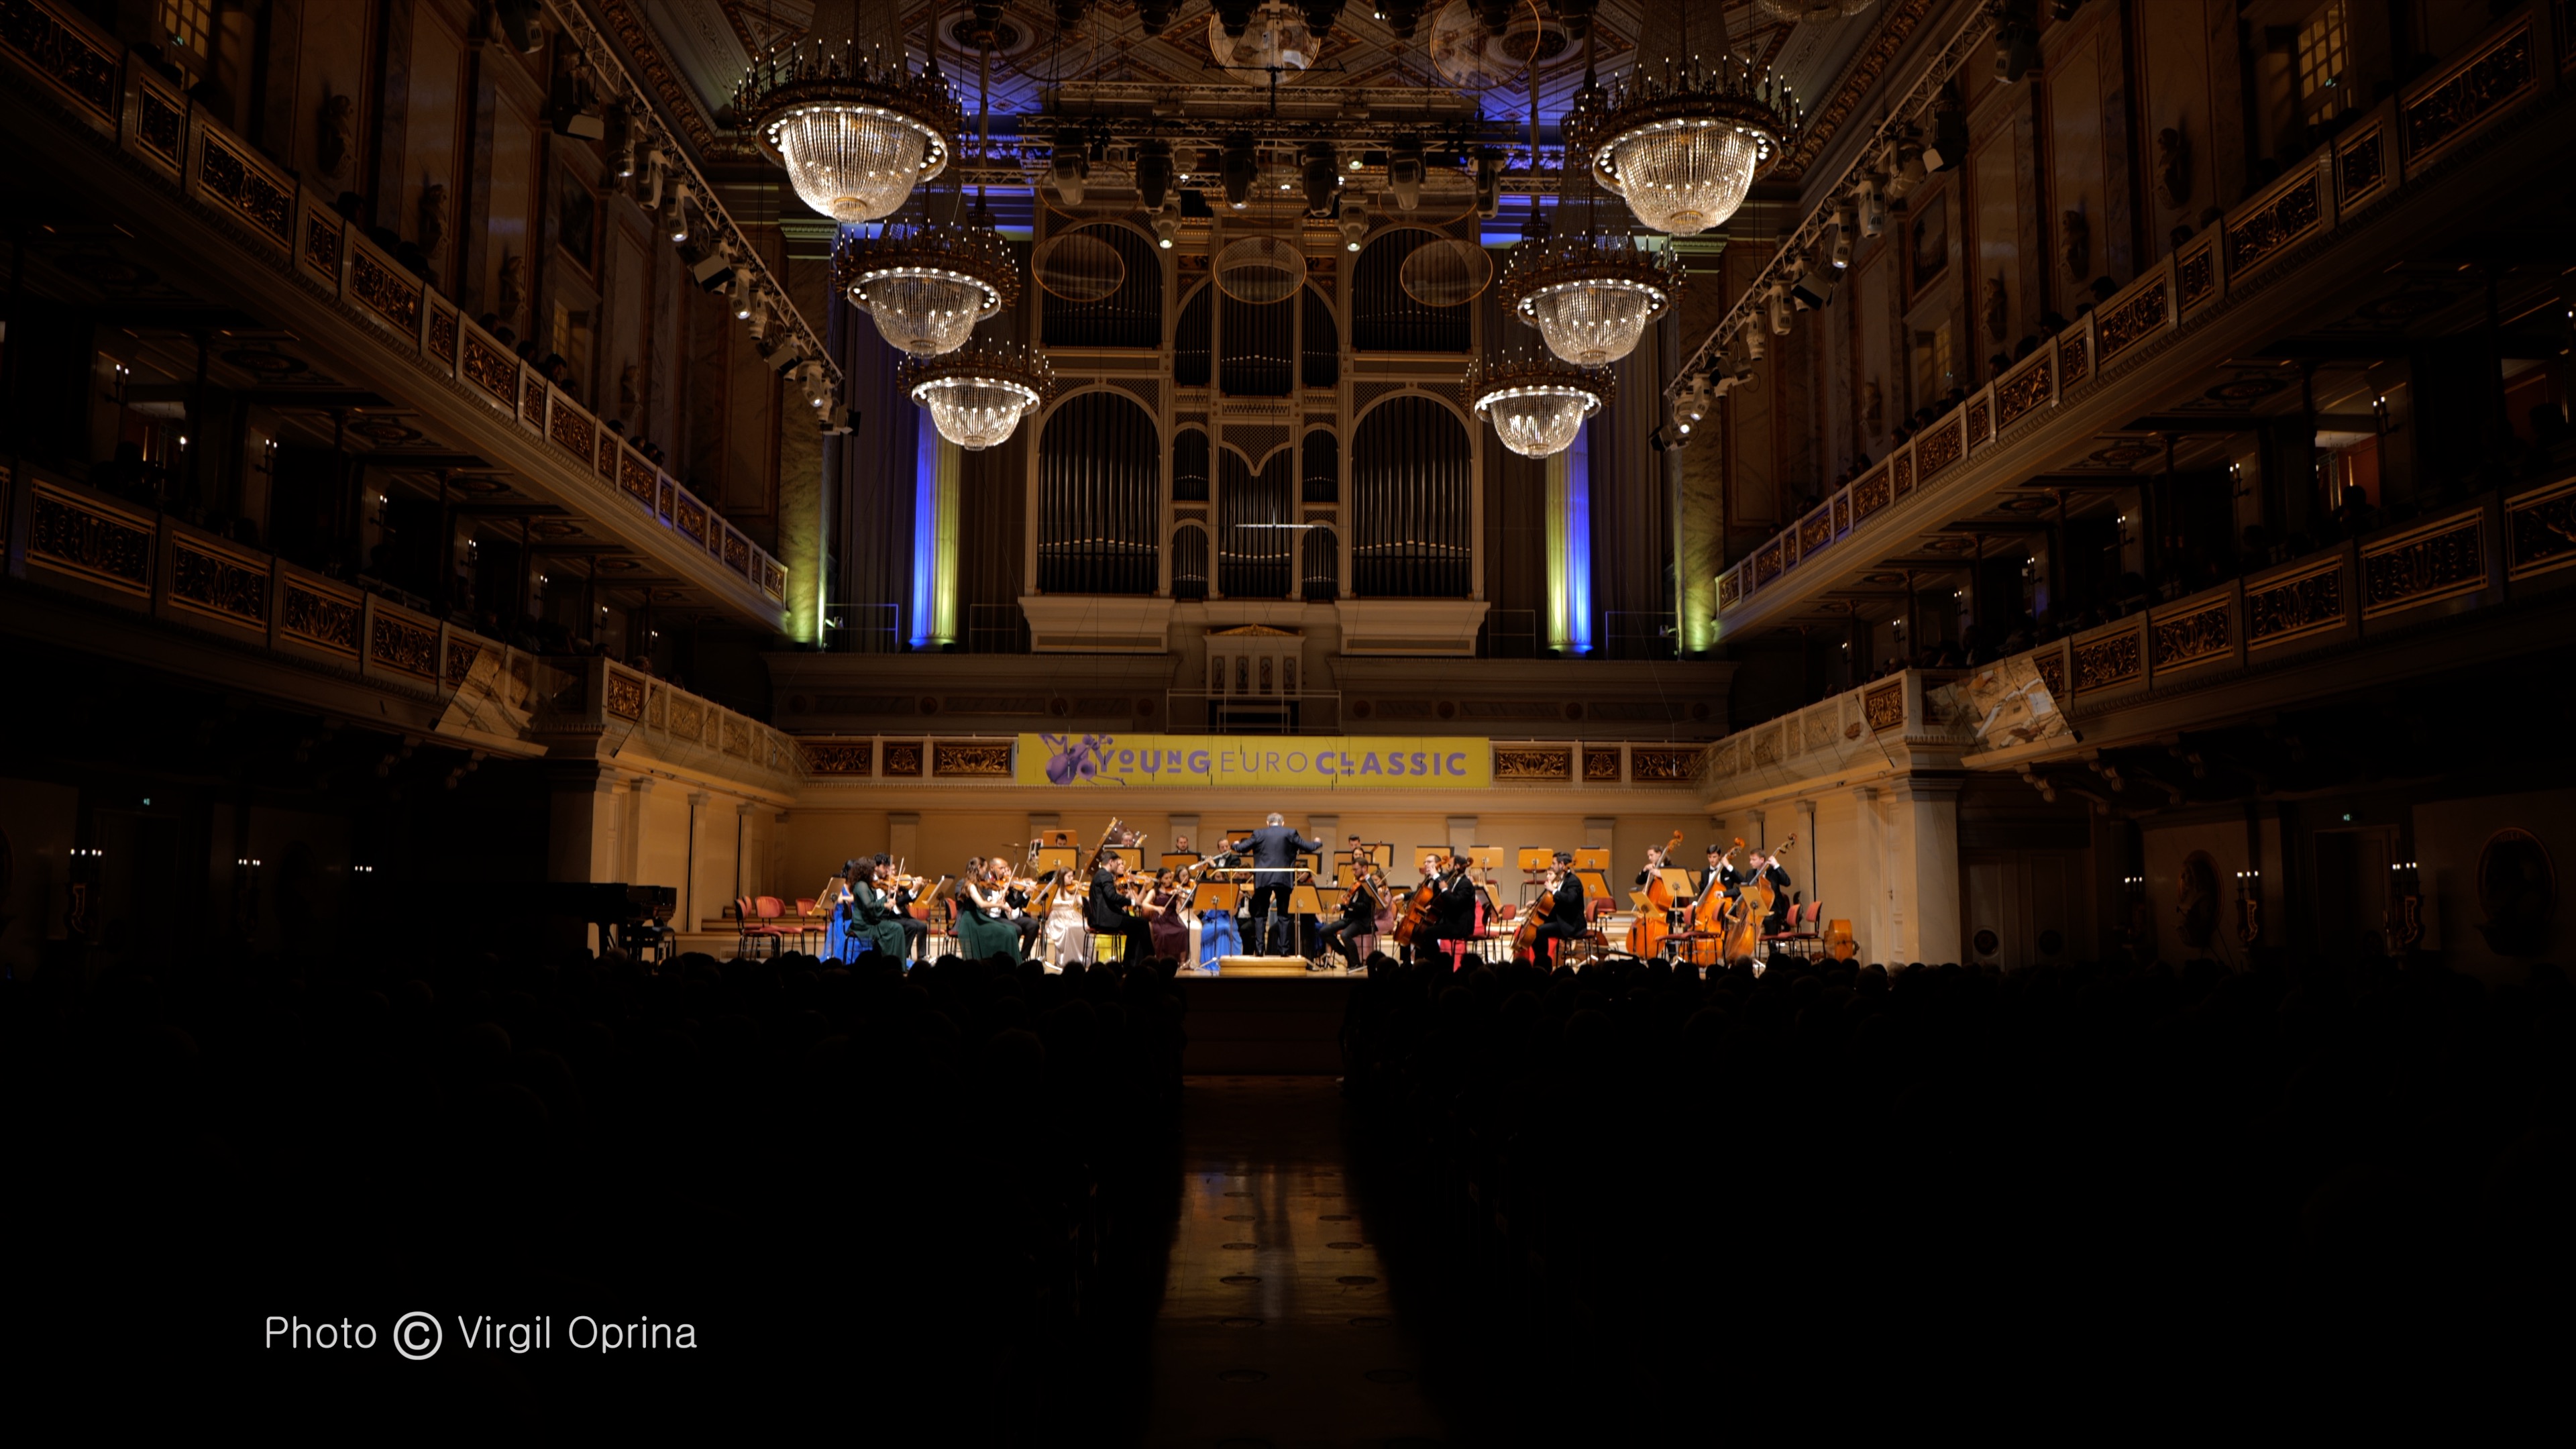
(1536, 402)
(1683, 148)
(856, 131)
(927, 284)
(978, 394)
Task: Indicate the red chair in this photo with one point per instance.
(1799, 932)
(810, 925)
(752, 923)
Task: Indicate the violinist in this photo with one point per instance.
(832, 900)
(1565, 917)
(1358, 918)
(903, 890)
(1015, 904)
(1107, 911)
(983, 913)
(878, 915)
(1165, 907)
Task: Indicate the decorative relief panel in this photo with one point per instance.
(2201, 634)
(688, 717)
(840, 759)
(1766, 747)
(1730, 588)
(903, 759)
(1981, 423)
(1883, 708)
(398, 643)
(2196, 277)
(239, 183)
(737, 554)
(1842, 514)
(2267, 233)
(635, 478)
(2074, 357)
(1940, 447)
(2022, 393)
(490, 369)
(62, 55)
(2477, 90)
(657, 707)
(322, 245)
(2540, 531)
(72, 535)
(689, 517)
(442, 334)
(461, 655)
(570, 428)
(625, 695)
(1901, 470)
(2361, 164)
(385, 291)
(773, 578)
(608, 456)
(2051, 664)
(1528, 762)
(737, 737)
(157, 122)
(1766, 565)
(532, 397)
(1817, 531)
(2134, 319)
(1660, 766)
(1869, 494)
(319, 618)
(1789, 549)
(2107, 661)
(2429, 566)
(2293, 607)
(1601, 764)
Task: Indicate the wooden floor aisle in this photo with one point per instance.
(1276, 1330)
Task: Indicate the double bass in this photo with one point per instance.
(1653, 924)
(1752, 907)
(1417, 911)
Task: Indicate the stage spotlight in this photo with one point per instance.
(1242, 168)
(714, 271)
(1167, 221)
(1870, 200)
(1322, 177)
(838, 420)
(786, 356)
(1404, 171)
(1489, 182)
(1813, 292)
(1949, 144)
(1354, 224)
(1846, 221)
(1753, 341)
(1153, 173)
(2016, 51)
(1069, 168)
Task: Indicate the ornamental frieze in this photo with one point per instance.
(61, 55)
(384, 290)
(91, 542)
(625, 695)
(840, 759)
(2022, 393)
(971, 757)
(2198, 635)
(1520, 762)
(1661, 766)
(2423, 569)
(2293, 607)
(320, 618)
(2262, 236)
(2453, 108)
(397, 643)
(1883, 708)
(239, 183)
(2107, 661)
(2134, 319)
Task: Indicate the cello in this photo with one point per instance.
(1525, 935)
(1417, 910)
(1752, 907)
(1708, 918)
(1646, 935)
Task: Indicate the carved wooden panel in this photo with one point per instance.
(1533, 762)
(625, 695)
(2361, 163)
(840, 757)
(1657, 765)
(1901, 471)
(398, 643)
(2189, 638)
(461, 654)
(1883, 708)
(2448, 559)
(214, 581)
(2129, 322)
(244, 186)
(902, 759)
(491, 369)
(2051, 664)
(2278, 612)
(2540, 530)
(386, 291)
(635, 478)
(62, 55)
(75, 536)
(2107, 661)
(990, 759)
(2290, 215)
(2438, 117)
(442, 333)
(322, 243)
(1601, 764)
(2023, 392)
(326, 620)
(1730, 588)
(1869, 494)
(1940, 446)
(737, 737)
(2196, 276)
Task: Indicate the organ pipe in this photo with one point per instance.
(1410, 502)
(1099, 495)
(1131, 316)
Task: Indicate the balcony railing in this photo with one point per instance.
(2353, 174)
(112, 92)
(104, 549)
(2470, 555)
(1574, 765)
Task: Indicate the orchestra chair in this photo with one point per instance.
(1108, 949)
(810, 925)
(1798, 932)
(773, 914)
(748, 927)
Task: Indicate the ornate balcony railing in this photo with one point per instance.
(2471, 555)
(2352, 175)
(1574, 765)
(100, 85)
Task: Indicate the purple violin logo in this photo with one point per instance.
(1077, 761)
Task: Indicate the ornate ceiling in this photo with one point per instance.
(698, 49)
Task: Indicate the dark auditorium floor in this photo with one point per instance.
(1278, 1323)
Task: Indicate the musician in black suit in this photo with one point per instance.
(1109, 913)
(1767, 867)
(1454, 902)
(1274, 849)
(1565, 917)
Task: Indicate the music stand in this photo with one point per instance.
(1536, 859)
(1063, 859)
(1592, 857)
(1331, 898)
(1177, 860)
(1133, 855)
(1595, 884)
(1214, 896)
(1058, 840)
(1678, 881)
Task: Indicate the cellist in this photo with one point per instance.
(1565, 915)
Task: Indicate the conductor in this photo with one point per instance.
(1274, 849)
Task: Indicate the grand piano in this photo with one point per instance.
(633, 918)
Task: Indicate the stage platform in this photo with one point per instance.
(1272, 1023)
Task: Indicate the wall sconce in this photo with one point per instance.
(2249, 906)
(2405, 923)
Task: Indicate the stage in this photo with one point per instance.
(1265, 1020)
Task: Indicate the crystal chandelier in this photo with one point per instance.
(1536, 402)
(929, 283)
(978, 394)
(855, 131)
(1683, 148)
(1589, 297)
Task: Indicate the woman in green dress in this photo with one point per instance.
(872, 911)
(984, 915)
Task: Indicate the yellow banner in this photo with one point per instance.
(1227, 762)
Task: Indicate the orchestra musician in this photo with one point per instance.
(1565, 917)
(1164, 906)
(1455, 903)
(1760, 864)
(1358, 918)
(1274, 849)
(1107, 913)
(984, 926)
(833, 901)
(901, 891)
(1015, 902)
(877, 915)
